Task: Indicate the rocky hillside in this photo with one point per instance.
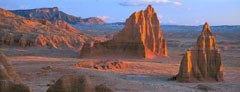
(53, 14)
(19, 31)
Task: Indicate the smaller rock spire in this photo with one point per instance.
(202, 62)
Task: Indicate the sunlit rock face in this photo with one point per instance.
(141, 37)
(18, 31)
(202, 62)
(9, 79)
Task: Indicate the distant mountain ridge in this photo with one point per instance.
(53, 14)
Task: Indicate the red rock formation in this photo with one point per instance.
(141, 37)
(203, 61)
(9, 79)
(93, 20)
(19, 31)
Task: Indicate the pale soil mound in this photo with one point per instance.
(109, 64)
(204, 87)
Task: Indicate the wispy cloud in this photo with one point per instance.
(196, 21)
(189, 9)
(172, 21)
(103, 17)
(177, 3)
(146, 2)
(160, 16)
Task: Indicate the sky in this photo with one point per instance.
(179, 12)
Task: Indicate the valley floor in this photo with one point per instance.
(39, 68)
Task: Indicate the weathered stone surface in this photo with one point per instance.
(9, 80)
(72, 83)
(10, 86)
(141, 37)
(109, 64)
(7, 70)
(76, 83)
(202, 62)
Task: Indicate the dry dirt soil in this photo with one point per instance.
(40, 68)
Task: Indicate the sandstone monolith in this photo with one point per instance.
(202, 62)
(141, 38)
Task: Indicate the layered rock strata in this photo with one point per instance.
(18, 31)
(54, 14)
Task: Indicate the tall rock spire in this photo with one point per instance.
(203, 61)
(141, 37)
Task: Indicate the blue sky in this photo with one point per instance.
(182, 12)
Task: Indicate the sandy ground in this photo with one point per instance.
(141, 76)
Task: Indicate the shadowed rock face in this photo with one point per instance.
(202, 62)
(141, 37)
(76, 83)
(9, 79)
(72, 83)
(7, 71)
(53, 14)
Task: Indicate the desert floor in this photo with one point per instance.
(142, 75)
